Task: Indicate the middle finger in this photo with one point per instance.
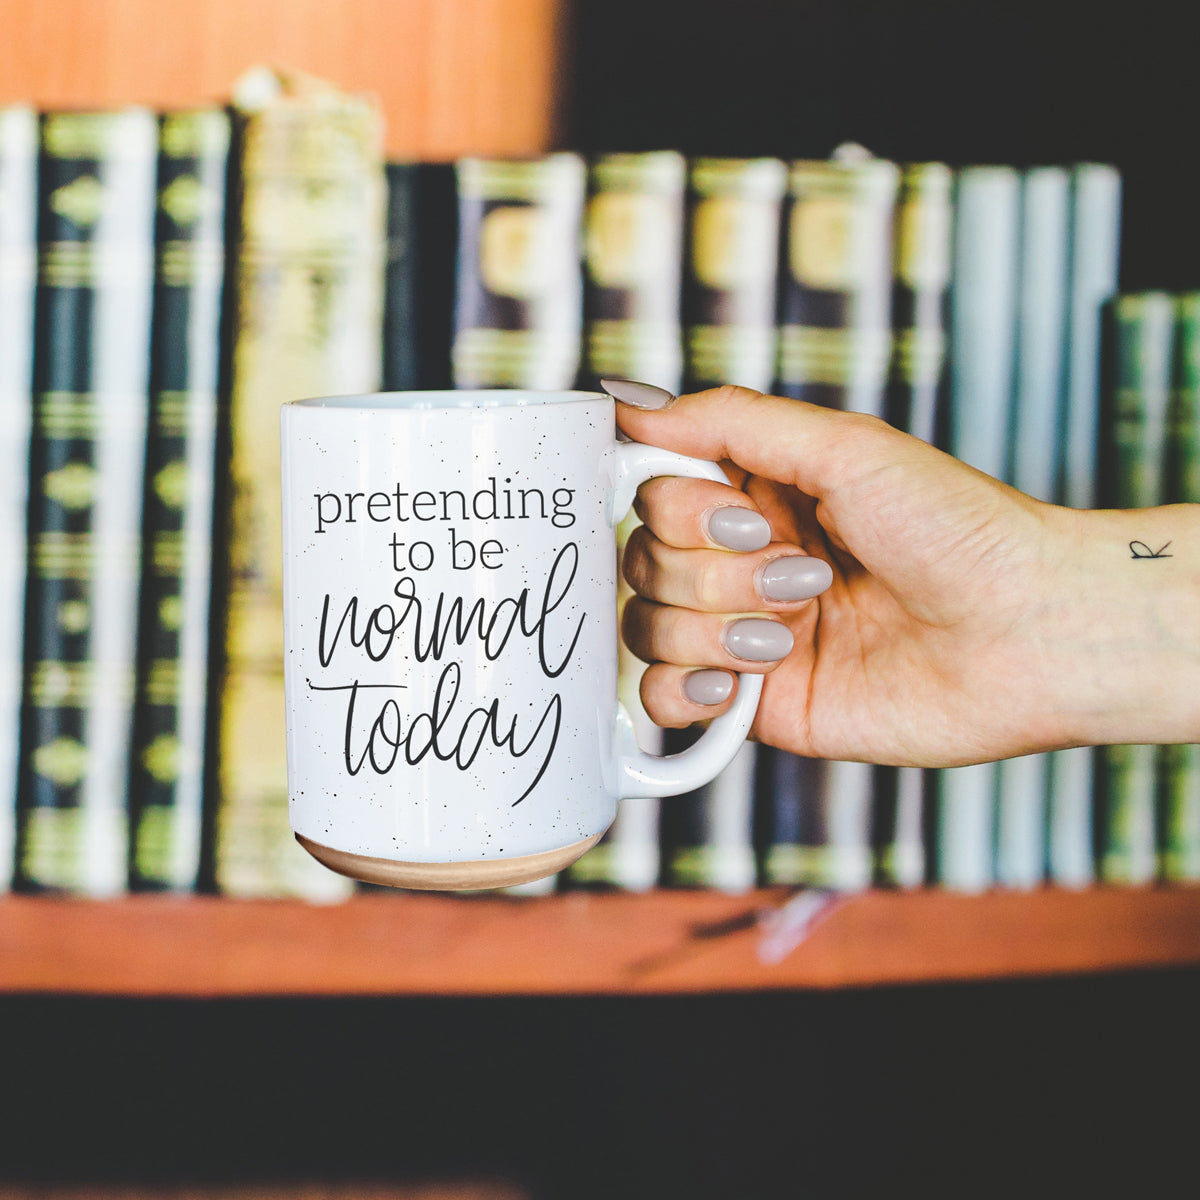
(775, 578)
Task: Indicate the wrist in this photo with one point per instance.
(1121, 626)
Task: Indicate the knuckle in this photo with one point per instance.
(705, 585)
(733, 393)
(635, 564)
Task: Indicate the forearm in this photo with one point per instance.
(1120, 626)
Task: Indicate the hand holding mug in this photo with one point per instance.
(450, 634)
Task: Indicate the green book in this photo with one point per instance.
(167, 769)
(518, 316)
(1134, 427)
(18, 273)
(1179, 766)
(91, 360)
(731, 269)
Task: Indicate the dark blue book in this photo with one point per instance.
(418, 300)
(91, 365)
(170, 728)
(18, 273)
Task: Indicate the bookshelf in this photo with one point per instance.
(505, 77)
(473, 76)
(580, 944)
(181, 1018)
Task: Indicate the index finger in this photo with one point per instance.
(809, 447)
(696, 513)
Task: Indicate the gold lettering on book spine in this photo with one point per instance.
(308, 303)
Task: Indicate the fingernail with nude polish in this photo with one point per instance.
(754, 639)
(738, 528)
(796, 577)
(637, 395)
(708, 686)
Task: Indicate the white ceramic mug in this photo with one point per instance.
(450, 615)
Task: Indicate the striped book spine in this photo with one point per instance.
(707, 835)
(519, 303)
(91, 364)
(306, 311)
(731, 270)
(18, 274)
(632, 260)
(835, 341)
(915, 403)
(835, 294)
(1134, 436)
(1179, 765)
(633, 252)
(167, 769)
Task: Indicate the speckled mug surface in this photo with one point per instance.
(450, 620)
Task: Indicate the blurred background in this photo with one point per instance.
(1076, 1086)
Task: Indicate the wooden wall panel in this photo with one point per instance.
(454, 76)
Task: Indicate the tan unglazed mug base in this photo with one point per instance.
(448, 877)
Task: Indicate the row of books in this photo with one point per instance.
(167, 280)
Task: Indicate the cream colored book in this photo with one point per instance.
(308, 297)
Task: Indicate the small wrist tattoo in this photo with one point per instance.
(1141, 550)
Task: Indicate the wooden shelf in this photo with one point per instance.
(663, 942)
(472, 77)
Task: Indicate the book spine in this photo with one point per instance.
(835, 293)
(731, 271)
(983, 334)
(18, 274)
(1034, 438)
(633, 248)
(519, 299)
(920, 298)
(834, 319)
(91, 360)
(707, 835)
(418, 309)
(784, 787)
(1095, 256)
(814, 824)
(632, 259)
(731, 263)
(1179, 766)
(915, 403)
(898, 822)
(1095, 253)
(307, 299)
(983, 315)
(166, 770)
(1134, 436)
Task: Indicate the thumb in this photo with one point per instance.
(817, 450)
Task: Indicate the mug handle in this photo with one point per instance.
(637, 772)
